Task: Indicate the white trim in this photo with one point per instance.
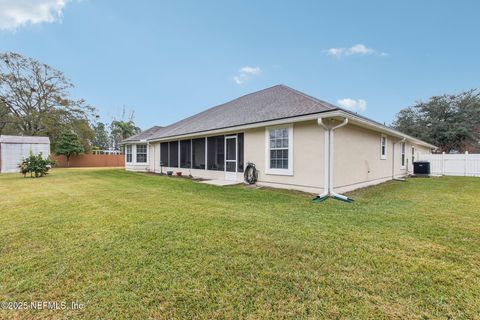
(383, 156)
(229, 175)
(284, 172)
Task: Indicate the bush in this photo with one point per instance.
(36, 165)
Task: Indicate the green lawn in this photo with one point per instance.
(138, 246)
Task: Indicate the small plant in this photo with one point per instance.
(36, 165)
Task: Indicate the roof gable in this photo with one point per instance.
(144, 135)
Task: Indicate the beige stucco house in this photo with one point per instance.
(295, 141)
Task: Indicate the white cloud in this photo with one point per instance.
(246, 73)
(19, 13)
(336, 52)
(359, 105)
(358, 49)
(251, 70)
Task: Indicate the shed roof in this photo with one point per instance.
(24, 139)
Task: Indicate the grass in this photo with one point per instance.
(138, 246)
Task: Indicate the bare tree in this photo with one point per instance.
(37, 97)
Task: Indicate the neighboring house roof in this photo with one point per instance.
(276, 104)
(144, 135)
(24, 139)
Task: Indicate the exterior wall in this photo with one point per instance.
(308, 158)
(357, 159)
(11, 154)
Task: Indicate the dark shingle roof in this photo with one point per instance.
(273, 103)
(144, 135)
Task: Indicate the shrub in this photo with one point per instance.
(36, 165)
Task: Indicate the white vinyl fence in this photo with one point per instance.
(453, 164)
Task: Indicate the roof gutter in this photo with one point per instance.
(362, 122)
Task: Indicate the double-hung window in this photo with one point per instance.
(383, 147)
(402, 148)
(128, 153)
(141, 153)
(279, 150)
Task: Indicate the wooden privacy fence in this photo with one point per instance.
(91, 160)
(453, 164)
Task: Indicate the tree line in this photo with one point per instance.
(36, 99)
(449, 121)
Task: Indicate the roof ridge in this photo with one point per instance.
(328, 104)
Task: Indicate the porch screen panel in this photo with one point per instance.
(164, 154)
(240, 152)
(198, 153)
(216, 153)
(185, 154)
(173, 154)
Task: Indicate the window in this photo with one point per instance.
(141, 153)
(173, 154)
(402, 148)
(215, 153)
(128, 153)
(383, 147)
(279, 142)
(198, 153)
(186, 154)
(164, 154)
(413, 155)
(240, 152)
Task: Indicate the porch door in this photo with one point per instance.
(231, 158)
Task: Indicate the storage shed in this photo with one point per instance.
(14, 148)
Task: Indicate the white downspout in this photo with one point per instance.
(326, 161)
(328, 180)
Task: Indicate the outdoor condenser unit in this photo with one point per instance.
(421, 168)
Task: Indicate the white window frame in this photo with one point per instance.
(146, 153)
(289, 170)
(382, 155)
(403, 155)
(126, 153)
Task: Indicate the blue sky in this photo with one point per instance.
(169, 60)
